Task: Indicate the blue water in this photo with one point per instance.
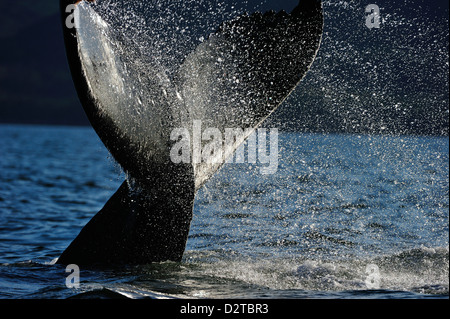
(337, 204)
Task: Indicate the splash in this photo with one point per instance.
(391, 80)
(423, 270)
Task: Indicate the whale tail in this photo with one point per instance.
(136, 226)
(136, 95)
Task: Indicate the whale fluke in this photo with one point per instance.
(136, 227)
(235, 77)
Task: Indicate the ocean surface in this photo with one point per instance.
(345, 216)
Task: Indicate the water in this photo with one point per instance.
(337, 204)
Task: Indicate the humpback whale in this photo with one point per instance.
(134, 95)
